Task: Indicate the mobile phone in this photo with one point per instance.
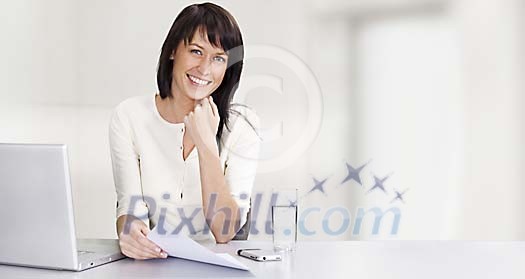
(259, 255)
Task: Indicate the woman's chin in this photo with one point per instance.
(199, 93)
(199, 96)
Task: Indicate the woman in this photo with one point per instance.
(184, 160)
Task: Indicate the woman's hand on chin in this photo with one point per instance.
(202, 125)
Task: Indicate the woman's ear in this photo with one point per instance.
(171, 55)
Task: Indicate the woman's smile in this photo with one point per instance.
(198, 81)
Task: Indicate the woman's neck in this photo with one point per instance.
(174, 108)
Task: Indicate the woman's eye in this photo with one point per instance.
(196, 51)
(220, 59)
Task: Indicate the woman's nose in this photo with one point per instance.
(204, 67)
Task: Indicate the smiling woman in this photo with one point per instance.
(194, 28)
(187, 150)
(200, 67)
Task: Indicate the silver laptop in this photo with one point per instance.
(36, 211)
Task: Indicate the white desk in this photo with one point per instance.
(327, 260)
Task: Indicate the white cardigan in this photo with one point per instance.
(151, 178)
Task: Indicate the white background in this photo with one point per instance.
(430, 92)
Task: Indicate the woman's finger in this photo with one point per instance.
(128, 241)
(147, 244)
(199, 104)
(197, 109)
(138, 239)
(213, 106)
(206, 105)
(145, 250)
(143, 240)
(129, 250)
(136, 253)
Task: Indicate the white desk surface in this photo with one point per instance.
(327, 260)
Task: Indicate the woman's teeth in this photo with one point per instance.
(198, 80)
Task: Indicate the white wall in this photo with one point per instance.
(411, 115)
(38, 52)
(492, 34)
(475, 152)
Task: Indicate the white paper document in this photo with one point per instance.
(186, 248)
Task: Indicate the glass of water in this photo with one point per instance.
(284, 219)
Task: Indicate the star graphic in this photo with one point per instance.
(378, 183)
(399, 196)
(318, 185)
(353, 174)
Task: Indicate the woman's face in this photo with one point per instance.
(198, 69)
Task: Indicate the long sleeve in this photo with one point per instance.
(241, 163)
(126, 167)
